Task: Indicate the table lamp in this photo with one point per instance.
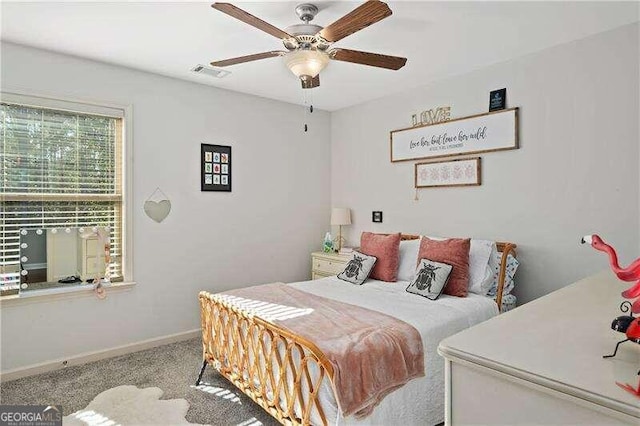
(340, 216)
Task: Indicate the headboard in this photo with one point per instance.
(505, 248)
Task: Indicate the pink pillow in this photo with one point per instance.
(386, 248)
(454, 252)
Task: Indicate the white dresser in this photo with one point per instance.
(542, 363)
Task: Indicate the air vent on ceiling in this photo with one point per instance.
(213, 72)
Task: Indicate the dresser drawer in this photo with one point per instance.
(318, 275)
(328, 267)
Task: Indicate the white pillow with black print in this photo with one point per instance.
(358, 268)
(509, 283)
(430, 279)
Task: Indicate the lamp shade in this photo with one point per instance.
(306, 62)
(340, 216)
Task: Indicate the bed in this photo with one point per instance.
(292, 379)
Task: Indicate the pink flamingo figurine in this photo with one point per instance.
(630, 273)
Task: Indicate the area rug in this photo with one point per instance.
(128, 405)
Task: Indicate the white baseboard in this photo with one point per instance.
(83, 358)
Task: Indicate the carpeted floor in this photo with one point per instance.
(173, 368)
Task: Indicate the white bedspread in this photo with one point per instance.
(421, 401)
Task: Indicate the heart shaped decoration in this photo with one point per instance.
(157, 211)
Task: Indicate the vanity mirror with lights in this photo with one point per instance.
(61, 257)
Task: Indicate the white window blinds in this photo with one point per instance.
(58, 168)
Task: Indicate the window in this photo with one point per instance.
(61, 166)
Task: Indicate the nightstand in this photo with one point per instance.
(328, 264)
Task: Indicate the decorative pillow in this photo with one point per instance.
(480, 271)
(431, 278)
(386, 248)
(509, 283)
(358, 268)
(509, 302)
(479, 256)
(409, 259)
(494, 262)
(454, 252)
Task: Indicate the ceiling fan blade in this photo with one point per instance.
(248, 58)
(248, 18)
(366, 58)
(361, 17)
(310, 83)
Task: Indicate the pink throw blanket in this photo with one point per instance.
(372, 353)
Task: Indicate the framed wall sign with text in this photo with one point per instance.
(491, 131)
(215, 162)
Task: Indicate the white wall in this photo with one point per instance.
(575, 173)
(261, 232)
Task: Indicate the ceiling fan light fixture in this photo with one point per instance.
(309, 46)
(306, 62)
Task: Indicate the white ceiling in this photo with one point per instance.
(439, 39)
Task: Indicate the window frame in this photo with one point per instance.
(83, 106)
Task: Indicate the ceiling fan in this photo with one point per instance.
(309, 46)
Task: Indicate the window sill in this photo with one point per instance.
(49, 295)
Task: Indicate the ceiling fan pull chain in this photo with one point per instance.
(304, 110)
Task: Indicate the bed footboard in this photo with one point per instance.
(280, 371)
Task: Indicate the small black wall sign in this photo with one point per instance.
(498, 99)
(376, 217)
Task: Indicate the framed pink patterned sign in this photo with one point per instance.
(462, 172)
